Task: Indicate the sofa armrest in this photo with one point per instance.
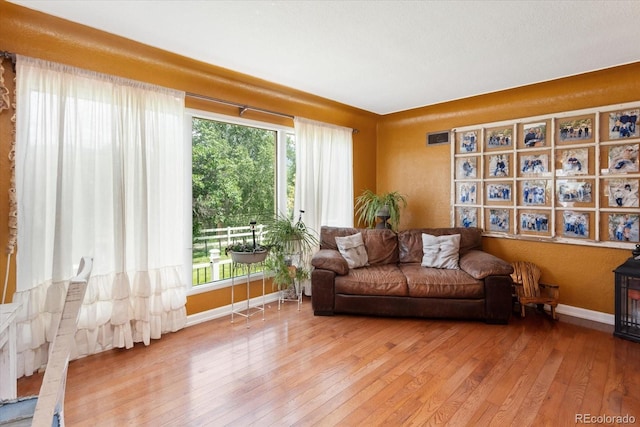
(498, 299)
(480, 264)
(330, 259)
(323, 291)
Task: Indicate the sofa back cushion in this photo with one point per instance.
(410, 241)
(381, 245)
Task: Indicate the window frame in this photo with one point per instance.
(280, 185)
(596, 146)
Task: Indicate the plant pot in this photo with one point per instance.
(248, 257)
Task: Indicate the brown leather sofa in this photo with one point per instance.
(395, 284)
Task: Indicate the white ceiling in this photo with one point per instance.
(381, 56)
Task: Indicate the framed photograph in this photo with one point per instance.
(574, 161)
(468, 141)
(467, 217)
(573, 191)
(575, 224)
(623, 158)
(534, 222)
(622, 193)
(623, 227)
(575, 130)
(534, 135)
(466, 167)
(499, 220)
(498, 166)
(499, 138)
(534, 193)
(499, 192)
(534, 164)
(623, 124)
(467, 193)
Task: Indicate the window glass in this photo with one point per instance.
(236, 177)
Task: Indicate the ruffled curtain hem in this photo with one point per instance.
(139, 319)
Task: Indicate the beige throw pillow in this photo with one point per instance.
(353, 250)
(441, 251)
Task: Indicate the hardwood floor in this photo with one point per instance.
(298, 369)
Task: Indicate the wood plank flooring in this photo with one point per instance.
(298, 369)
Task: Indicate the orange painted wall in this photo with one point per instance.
(406, 164)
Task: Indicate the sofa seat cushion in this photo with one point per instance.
(373, 280)
(426, 282)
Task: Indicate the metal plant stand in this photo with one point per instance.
(293, 292)
(247, 309)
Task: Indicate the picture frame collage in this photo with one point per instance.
(572, 177)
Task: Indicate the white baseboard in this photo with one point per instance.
(214, 313)
(581, 313)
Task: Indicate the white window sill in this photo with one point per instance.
(222, 284)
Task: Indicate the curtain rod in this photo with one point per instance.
(242, 108)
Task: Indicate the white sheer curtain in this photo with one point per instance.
(324, 175)
(99, 172)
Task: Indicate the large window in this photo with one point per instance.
(242, 171)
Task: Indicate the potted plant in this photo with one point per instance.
(290, 243)
(245, 253)
(386, 206)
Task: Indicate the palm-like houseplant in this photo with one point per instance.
(290, 243)
(370, 205)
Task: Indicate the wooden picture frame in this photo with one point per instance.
(467, 192)
(575, 224)
(575, 130)
(537, 222)
(466, 217)
(622, 159)
(467, 167)
(498, 220)
(622, 227)
(499, 138)
(620, 124)
(498, 165)
(533, 134)
(568, 172)
(575, 192)
(621, 193)
(498, 193)
(467, 141)
(534, 193)
(573, 161)
(534, 164)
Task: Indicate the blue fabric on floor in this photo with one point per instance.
(19, 412)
